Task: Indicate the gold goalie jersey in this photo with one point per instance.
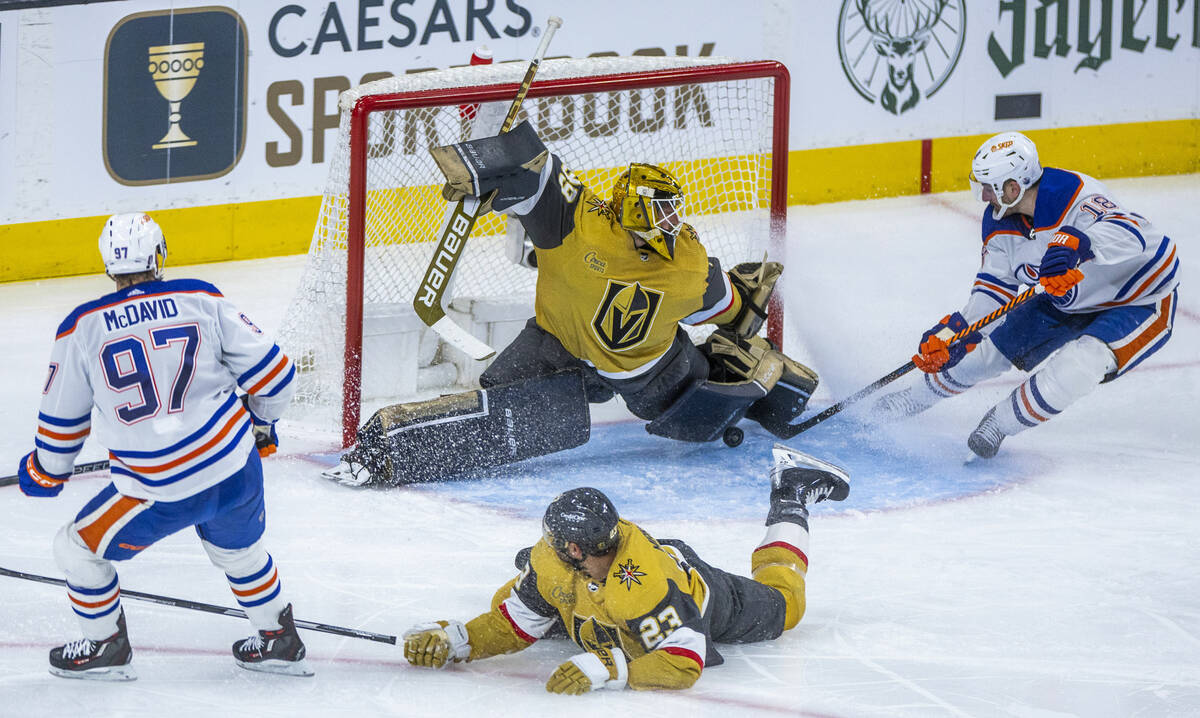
(610, 304)
(652, 606)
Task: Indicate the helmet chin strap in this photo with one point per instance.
(999, 212)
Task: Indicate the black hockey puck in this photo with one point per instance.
(733, 436)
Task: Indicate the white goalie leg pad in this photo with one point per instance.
(254, 581)
(92, 584)
(1072, 373)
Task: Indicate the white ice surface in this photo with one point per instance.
(1060, 579)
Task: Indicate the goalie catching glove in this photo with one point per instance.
(587, 672)
(509, 164)
(437, 644)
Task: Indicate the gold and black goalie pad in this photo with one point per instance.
(456, 434)
(741, 373)
(509, 163)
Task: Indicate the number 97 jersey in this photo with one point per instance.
(161, 362)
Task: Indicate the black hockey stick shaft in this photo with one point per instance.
(906, 368)
(85, 468)
(210, 608)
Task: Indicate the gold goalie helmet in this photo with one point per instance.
(649, 203)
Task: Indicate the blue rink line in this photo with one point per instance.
(652, 477)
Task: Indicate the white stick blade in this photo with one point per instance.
(462, 340)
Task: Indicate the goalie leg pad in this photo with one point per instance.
(510, 163)
(778, 410)
(458, 433)
(705, 409)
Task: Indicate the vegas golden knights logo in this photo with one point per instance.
(593, 636)
(625, 315)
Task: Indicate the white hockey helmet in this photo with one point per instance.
(1003, 157)
(132, 243)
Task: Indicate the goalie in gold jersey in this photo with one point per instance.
(616, 277)
(646, 612)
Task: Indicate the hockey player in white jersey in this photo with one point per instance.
(1110, 279)
(162, 361)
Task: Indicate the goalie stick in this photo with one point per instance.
(85, 468)
(901, 371)
(210, 608)
(456, 227)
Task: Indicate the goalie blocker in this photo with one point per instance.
(748, 379)
(458, 433)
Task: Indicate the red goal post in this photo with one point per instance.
(363, 149)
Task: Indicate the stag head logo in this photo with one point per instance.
(896, 51)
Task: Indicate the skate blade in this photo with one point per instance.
(790, 457)
(111, 673)
(285, 668)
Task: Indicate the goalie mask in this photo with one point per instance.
(133, 243)
(649, 203)
(1006, 156)
(584, 517)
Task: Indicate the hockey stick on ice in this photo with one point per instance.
(901, 371)
(457, 226)
(210, 608)
(85, 468)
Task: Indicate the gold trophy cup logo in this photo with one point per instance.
(175, 69)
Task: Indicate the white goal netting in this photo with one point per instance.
(714, 134)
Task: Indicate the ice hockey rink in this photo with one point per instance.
(1059, 579)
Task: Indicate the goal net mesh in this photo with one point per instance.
(715, 136)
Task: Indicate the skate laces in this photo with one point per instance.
(253, 643)
(898, 403)
(82, 647)
(816, 493)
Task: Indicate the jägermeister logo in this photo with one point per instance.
(898, 51)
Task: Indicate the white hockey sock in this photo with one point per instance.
(1069, 375)
(983, 363)
(790, 537)
(254, 581)
(92, 584)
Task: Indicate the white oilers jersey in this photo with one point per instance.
(1133, 262)
(161, 362)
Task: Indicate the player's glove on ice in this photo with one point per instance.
(36, 481)
(437, 644)
(934, 354)
(1059, 269)
(265, 438)
(586, 672)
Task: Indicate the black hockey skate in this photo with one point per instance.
(278, 651)
(106, 660)
(798, 480)
(985, 440)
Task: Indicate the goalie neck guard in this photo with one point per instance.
(584, 517)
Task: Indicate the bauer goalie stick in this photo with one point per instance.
(901, 371)
(209, 608)
(456, 227)
(85, 468)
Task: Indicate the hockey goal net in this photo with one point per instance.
(720, 126)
